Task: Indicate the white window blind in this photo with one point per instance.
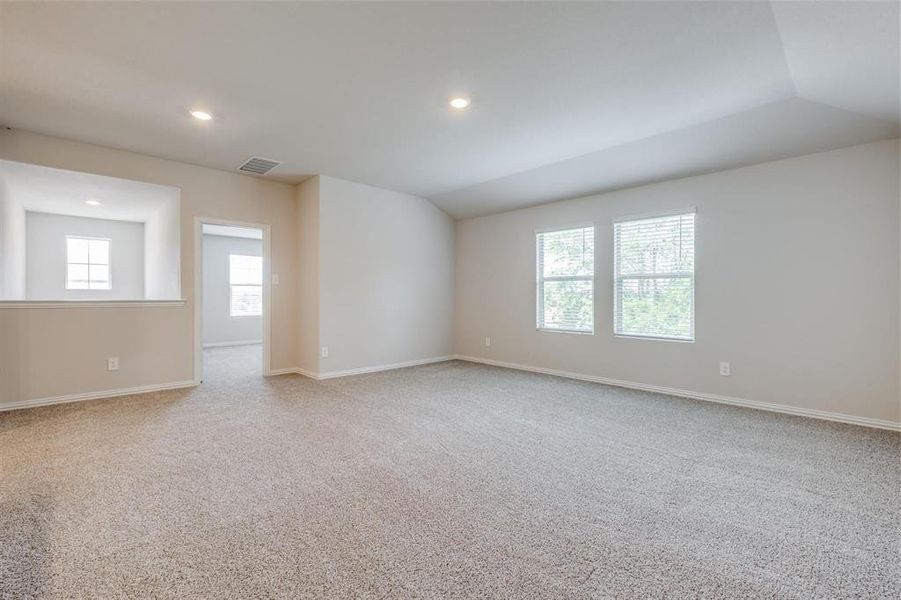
(87, 263)
(654, 270)
(245, 278)
(566, 280)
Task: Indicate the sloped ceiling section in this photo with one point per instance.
(844, 54)
(780, 130)
(568, 97)
(843, 60)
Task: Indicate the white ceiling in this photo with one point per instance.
(42, 189)
(359, 90)
(845, 54)
(778, 130)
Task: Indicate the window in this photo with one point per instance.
(87, 263)
(654, 263)
(566, 280)
(245, 278)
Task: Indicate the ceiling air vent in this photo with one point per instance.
(258, 166)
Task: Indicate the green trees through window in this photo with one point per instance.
(654, 267)
(565, 292)
(654, 261)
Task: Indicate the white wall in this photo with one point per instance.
(218, 326)
(53, 352)
(308, 280)
(797, 285)
(386, 277)
(12, 245)
(162, 252)
(45, 265)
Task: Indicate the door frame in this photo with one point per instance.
(199, 222)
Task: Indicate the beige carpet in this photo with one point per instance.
(444, 481)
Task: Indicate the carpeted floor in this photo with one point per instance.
(450, 480)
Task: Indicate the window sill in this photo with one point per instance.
(570, 331)
(652, 338)
(88, 303)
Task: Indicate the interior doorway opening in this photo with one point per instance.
(231, 301)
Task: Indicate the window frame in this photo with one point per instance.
(108, 265)
(231, 285)
(691, 276)
(540, 279)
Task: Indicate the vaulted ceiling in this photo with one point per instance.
(567, 98)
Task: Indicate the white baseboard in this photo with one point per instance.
(224, 344)
(292, 371)
(391, 367)
(305, 373)
(282, 371)
(95, 395)
(767, 406)
(362, 370)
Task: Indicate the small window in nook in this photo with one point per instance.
(245, 278)
(87, 263)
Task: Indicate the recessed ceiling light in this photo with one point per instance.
(92, 202)
(459, 102)
(202, 115)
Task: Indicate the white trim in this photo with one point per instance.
(88, 303)
(227, 344)
(143, 389)
(541, 278)
(618, 277)
(283, 371)
(377, 368)
(306, 373)
(552, 229)
(571, 331)
(653, 215)
(755, 404)
(234, 232)
(363, 370)
(108, 265)
(198, 290)
(654, 338)
(667, 275)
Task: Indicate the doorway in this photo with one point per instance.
(231, 294)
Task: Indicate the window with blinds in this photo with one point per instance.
(245, 278)
(654, 264)
(566, 280)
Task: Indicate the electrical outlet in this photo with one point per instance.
(725, 369)
(487, 342)
(112, 363)
(275, 279)
(325, 352)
